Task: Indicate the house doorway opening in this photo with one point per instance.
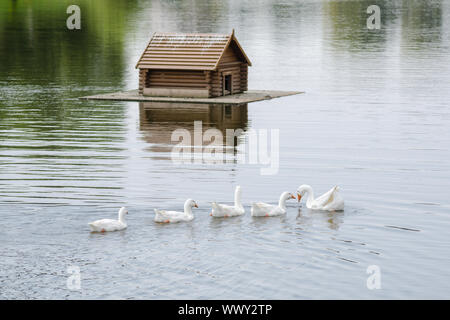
(227, 89)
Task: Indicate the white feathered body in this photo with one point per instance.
(329, 201)
(164, 216)
(223, 210)
(105, 225)
(260, 209)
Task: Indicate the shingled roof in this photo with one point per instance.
(198, 51)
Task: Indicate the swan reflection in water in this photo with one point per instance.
(307, 218)
(158, 120)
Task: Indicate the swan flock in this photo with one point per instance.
(329, 201)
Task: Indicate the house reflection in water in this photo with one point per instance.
(158, 120)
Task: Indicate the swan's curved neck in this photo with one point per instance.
(310, 192)
(188, 208)
(237, 198)
(122, 216)
(282, 201)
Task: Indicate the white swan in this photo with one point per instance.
(104, 225)
(175, 216)
(329, 201)
(260, 209)
(222, 210)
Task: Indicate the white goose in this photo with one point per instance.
(260, 209)
(175, 216)
(105, 225)
(329, 201)
(223, 210)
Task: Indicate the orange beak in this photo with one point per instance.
(195, 205)
(299, 197)
(292, 196)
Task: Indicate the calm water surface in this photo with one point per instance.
(374, 120)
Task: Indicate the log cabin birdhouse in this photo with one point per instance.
(193, 65)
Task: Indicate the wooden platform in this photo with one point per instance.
(246, 97)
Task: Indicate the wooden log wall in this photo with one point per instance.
(216, 84)
(142, 79)
(177, 79)
(229, 64)
(244, 77)
(235, 72)
(208, 81)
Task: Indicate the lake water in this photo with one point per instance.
(374, 120)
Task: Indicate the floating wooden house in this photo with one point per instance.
(193, 65)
